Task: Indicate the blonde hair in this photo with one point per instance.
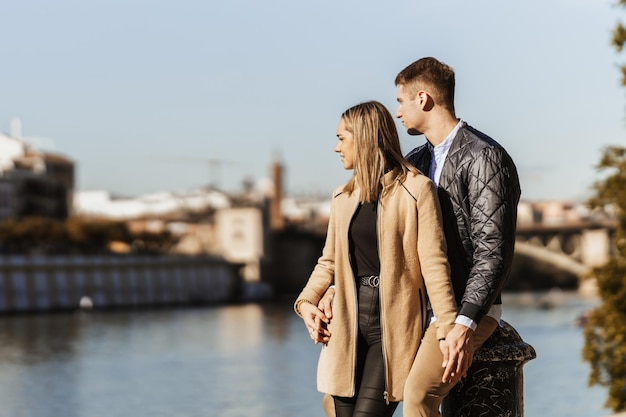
(376, 148)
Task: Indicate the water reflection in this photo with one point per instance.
(32, 339)
(239, 328)
(252, 360)
(34, 351)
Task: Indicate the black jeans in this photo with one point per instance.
(370, 370)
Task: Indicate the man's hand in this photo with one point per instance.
(458, 351)
(325, 304)
(315, 321)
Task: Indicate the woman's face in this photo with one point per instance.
(345, 145)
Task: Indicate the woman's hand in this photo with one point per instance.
(326, 303)
(315, 321)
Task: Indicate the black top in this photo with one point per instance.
(363, 241)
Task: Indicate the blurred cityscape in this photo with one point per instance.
(270, 239)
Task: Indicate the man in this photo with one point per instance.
(479, 190)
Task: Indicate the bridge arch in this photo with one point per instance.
(562, 255)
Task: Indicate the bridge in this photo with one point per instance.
(573, 247)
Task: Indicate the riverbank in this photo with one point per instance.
(53, 283)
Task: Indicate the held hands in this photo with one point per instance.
(458, 351)
(315, 321)
(325, 304)
(316, 318)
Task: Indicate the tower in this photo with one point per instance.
(277, 222)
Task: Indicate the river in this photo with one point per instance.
(245, 360)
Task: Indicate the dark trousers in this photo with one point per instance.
(369, 400)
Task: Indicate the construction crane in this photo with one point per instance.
(214, 164)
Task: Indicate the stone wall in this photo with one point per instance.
(48, 283)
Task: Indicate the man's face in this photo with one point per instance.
(345, 145)
(409, 111)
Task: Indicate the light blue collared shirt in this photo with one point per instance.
(440, 152)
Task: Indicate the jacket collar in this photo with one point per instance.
(458, 144)
(388, 180)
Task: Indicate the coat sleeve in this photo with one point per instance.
(493, 194)
(431, 248)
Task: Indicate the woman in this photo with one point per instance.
(385, 254)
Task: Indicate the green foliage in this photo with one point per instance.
(605, 331)
(605, 335)
(76, 235)
(32, 234)
(619, 37)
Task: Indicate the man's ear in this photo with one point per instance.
(419, 97)
(424, 100)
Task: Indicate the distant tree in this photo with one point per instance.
(605, 331)
(153, 242)
(619, 39)
(93, 236)
(33, 234)
(77, 235)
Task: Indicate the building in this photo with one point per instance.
(32, 182)
(164, 205)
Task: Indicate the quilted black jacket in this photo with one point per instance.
(479, 191)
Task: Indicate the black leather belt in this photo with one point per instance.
(370, 281)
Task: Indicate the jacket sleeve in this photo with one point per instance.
(431, 249)
(493, 193)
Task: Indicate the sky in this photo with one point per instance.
(151, 95)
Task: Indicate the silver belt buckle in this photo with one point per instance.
(371, 281)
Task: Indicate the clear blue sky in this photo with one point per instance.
(142, 94)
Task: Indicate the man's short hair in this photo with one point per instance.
(432, 76)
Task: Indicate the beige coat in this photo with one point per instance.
(413, 259)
